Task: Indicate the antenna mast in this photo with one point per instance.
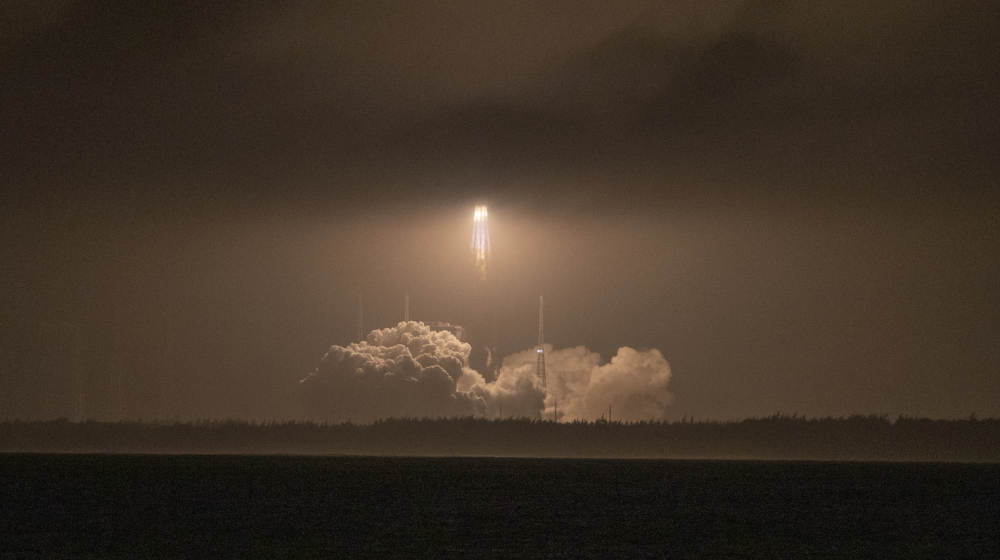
(540, 366)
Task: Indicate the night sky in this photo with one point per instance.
(796, 203)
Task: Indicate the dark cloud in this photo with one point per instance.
(268, 90)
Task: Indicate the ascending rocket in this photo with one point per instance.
(481, 240)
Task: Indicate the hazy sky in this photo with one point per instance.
(794, 202)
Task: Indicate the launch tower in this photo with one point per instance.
(493, 365)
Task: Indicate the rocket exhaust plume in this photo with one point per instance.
(481, 240)
(422, 370)
(408, 370)
(411, 370)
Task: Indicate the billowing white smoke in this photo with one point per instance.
(407, 370)
(579, 387)
(410, 370)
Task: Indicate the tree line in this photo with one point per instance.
(778, 437)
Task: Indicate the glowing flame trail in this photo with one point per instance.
(481, 240)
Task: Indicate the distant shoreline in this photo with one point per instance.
(856, 438)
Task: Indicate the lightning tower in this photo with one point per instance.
(540, 366)
(361, 317)
(493, 364)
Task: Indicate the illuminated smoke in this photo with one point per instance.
(410, 370)
(481, 240)
(407, 370)
(580, 387)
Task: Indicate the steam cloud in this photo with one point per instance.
(634, 384)
(410, 370)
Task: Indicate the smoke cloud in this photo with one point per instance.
(410, 370)
(580, 387)
(407, 370)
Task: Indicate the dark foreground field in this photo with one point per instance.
(170, 506)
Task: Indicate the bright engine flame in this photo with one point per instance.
(481, 240)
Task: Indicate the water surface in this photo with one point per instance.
(163, 506)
